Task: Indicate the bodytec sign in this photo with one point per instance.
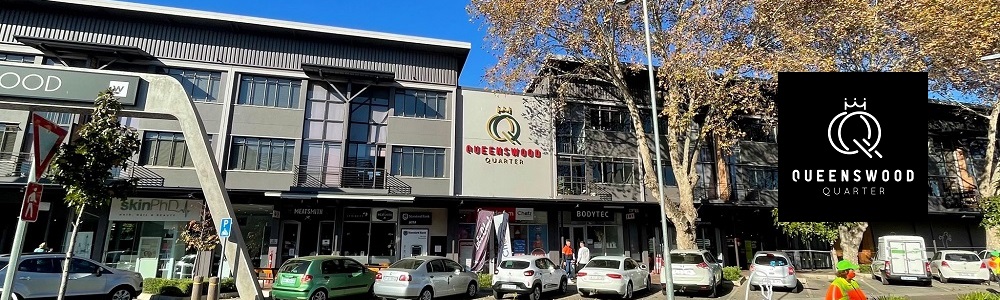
(64, 85)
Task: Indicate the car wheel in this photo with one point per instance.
(628, 291)
(473, 290)
(885, 281)
(371, 291)
(941, 276)
(646, 286)
(536, 292)
(120, 293)
(563, 286)
(318, 295)
(798, 287)
(497, 295)
(426, 294)
(714, 292)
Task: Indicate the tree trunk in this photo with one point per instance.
(69, 254)
(993, 238)
(685, 227)
(850, 239)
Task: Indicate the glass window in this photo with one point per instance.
(269, 91)
(295, 267)
(418, 161)
(164, 149)
(571, 174)
(760, 178)
(757, 130)
(3, 264)
(8, 135)
(420, 104)
(768, 260)
(453, 266)
(604, 263)
(686, 258)
(331, 266)
(964, 257)
(629, 264)
(437, 266)
(261, 154)
(613, 170)
(407, 264)
(608, 118)
(201, 86)
(82, 266)
(41, 265)
(352, 266)
(21, 58)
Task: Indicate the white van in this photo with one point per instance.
(901, 258)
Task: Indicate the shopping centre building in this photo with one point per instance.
(357, 143)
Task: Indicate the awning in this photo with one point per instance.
(317, 195)
(61, 48)
(332, 72)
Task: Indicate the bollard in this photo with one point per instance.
(196, 289)
(213, 288)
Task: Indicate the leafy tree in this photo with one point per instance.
(848, 234)
(84, 165)
(200, 236)
(704, 59)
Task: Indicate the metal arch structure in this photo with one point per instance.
(766, 289)
(161, 97)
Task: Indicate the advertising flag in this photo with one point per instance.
(501, 222)
(484, 222)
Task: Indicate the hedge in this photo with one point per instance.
(182, 287)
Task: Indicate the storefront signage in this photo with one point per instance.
(383, 215)
(525, 214)
(65, 85)
(593, 215)
(415, 218)
(503, 127)
(308, 211)
(155, 209)
(357, 214)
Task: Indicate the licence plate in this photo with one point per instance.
(389, 278)
(288, 281)
(508, 286)
(964, 274)
(908, 278)
(776, 281)
(683, 272)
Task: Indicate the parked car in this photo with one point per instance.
(184, 268)
(774, 268)
(38, 276)
(694, 270)
(529, 276)
(424, 278)
(901, 258)
(958, 264)
(321, 277)
(617, 275)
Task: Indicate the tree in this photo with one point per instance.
(849, 234)
(943, 38)
(707, 74)
(200, 235)
(84, 166)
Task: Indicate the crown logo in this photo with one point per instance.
(504, 110)
(862, 106)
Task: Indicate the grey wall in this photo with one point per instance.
(419, 132)
(256, 180)
(267, 122)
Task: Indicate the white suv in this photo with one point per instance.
(38, 276)
(528, 275)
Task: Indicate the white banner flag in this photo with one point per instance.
(500, 222)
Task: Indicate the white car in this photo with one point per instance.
(529, 276)
(694, 270)
(38, 276)
(961, 265)
(775, 269)
(617, 275)
(424, 278)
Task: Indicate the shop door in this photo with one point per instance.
(575, 234)
(326, 238)
(290, 231)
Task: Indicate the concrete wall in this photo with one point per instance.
(258, 180)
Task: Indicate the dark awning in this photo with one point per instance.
(61, 48)
(331, 72)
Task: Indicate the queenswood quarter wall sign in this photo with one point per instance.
(852, 143)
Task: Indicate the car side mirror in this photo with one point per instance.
(643, 267)
(719, 258)
(99, 271)
(458, 271)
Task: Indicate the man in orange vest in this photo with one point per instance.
(567, 252)
(994, 264)
(844, 287)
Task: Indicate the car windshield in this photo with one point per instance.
(686, 258)
(770, 260)
(295, 267)
(407, 264)
(514, 264)
(604, 263)
(961, 257)
(3, 263)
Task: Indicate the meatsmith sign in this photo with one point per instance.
(504, 129)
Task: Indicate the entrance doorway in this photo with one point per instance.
(290, 232)
(601, 239)
(326, 238)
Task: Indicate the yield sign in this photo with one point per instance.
(32, 198)
(47, 137)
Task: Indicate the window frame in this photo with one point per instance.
(214, 78)
(400, 153)
(613, 170)
(239, 150)
(421, 103)
(272, 85)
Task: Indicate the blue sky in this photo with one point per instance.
(443, 19)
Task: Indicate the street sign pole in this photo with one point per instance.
(47, 137)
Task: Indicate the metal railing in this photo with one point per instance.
(577, 188)
(348, 177)
(743, 193)
(18, 165)
(811, 259)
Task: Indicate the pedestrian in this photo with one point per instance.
(994, 264)
(41, 248)
(582, 256)
(844, 287)
(567, 252)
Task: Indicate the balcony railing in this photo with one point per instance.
(349, 177)
(17, 165)
(743, 193)
(584, 189)
(953, 196)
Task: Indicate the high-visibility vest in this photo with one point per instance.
(842, 289)
(995, 265)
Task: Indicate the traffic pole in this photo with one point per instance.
(15, 250)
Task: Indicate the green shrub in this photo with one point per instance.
(866, 269)
(979, 296)
(182, 287)
(485, 281)
(732, 273)
(891, 297)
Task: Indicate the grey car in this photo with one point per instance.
(38, 276)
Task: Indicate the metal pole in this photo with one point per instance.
(222, 257)
(666, 272)
(15, 250)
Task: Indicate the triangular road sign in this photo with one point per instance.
(47, 138)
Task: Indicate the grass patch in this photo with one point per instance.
(892, 297)
(865, 269)
(182, 287)
(731, 273)
(485, 281)
(979, 296)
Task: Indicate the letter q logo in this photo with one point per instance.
(865, 144)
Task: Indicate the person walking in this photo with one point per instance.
(567, 252)
(582, 256)
(844, 287)
(42, 248)
(994, 266)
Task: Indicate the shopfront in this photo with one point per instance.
(600, 228)
(307, 230)
(528, 227)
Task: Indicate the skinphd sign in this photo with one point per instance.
(143, 209)
(64, 85)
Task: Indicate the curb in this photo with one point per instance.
(230, 295)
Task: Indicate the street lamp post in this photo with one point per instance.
(666, 273)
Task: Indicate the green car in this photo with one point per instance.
(322, 277)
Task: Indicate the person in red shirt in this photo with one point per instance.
(567, 253)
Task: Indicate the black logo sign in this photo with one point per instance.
(415, 218)
(852, 144)
(357, 214)
(593, 215)
(308, 211)
(384, 215)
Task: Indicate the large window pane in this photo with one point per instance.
(418, 162)
(267, 91)
(262, 154)
(407, 169)
(200, 86)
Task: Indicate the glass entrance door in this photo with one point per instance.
(290, 231)
(326, 238)
(600, 239)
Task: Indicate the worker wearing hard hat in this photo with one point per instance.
(844, 287)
